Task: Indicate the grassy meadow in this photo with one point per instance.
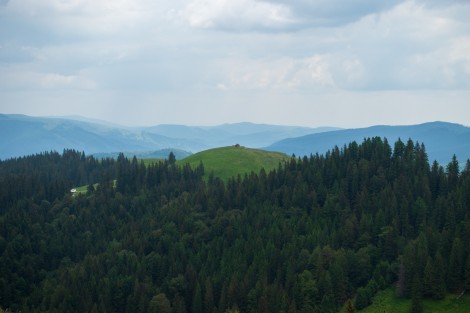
(225, 162)
(231, 161)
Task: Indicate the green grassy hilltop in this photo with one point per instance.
(230, 161)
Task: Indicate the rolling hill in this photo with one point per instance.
(230, 161)
(442, 140)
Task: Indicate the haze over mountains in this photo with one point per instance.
(24, 135)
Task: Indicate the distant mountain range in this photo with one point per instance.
(442, 140)
(24, 135)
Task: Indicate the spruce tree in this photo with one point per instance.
(197, 300)
(467, 273)
(416, 295)
(171, 158)
(456, 264)
(350, 307)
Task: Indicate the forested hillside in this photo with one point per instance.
(306, 237)
(442, 139)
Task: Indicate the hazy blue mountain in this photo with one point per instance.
(442, 140)
(246, 134)
(23, 135)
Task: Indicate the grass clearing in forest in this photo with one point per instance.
(224, 162)
(386, 301)
(81, 189)
(231, 161)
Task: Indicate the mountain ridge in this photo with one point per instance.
(441, 139)
(24, 135)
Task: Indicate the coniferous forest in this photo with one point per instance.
(318, 231)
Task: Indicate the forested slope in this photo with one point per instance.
(305, 237)
(442, 139)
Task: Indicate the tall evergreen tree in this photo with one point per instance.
(350, 307)
(456, 265)
(416, 295)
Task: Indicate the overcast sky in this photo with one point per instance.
(348, 63)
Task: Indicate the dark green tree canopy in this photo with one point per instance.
(306, 237)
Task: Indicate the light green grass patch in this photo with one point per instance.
(386, 301)
(231, 161)
(82, 189)
(224, 162)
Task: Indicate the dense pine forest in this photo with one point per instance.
(316, 233)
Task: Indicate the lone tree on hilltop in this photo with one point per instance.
(171, 158)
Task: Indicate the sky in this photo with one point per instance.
(313, 63)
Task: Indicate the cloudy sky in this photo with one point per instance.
(203, 62)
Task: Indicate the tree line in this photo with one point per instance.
(309, 236)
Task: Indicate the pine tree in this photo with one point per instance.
(429, 279)
(456, 264)
(434, 283)
(467, 273)
(416, 296)
(440, 274)
(208, 297)
(401, 284)
(350, 307)
(171, 158)
(362, 298)
(160, 304)
(197, 300)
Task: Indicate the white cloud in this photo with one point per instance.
(286, 74)
(279, 15)
(444, 68)
(54, 80)
(409, 47)
(19, 78)
(83, 18)
(332, 13)
(349, 72)
(459, 52)
(237, 14)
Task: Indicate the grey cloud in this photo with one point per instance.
(442, 3)
(280, 15)
(323, 13)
